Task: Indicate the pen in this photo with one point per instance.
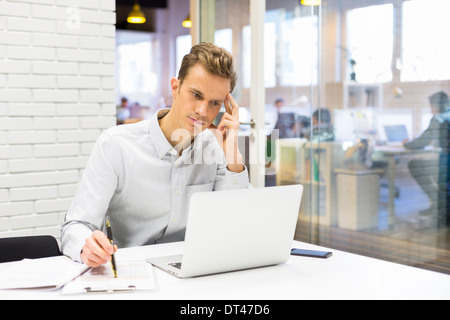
(110, 237)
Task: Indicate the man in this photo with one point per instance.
(123, 112)
(142, 175)
(323, 129)
(285, 121)
(434, 180)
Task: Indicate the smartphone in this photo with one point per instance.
(311, 253)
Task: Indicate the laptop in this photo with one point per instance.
(396, 134)
(235, 230)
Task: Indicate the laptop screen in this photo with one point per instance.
(396, 133)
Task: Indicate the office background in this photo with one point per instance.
(66, 64)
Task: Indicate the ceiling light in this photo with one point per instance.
(136, 15)
(310, 2)
(187, 23)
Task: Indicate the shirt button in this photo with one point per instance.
(176, 192)
(234, 181)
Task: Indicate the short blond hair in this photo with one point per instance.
(216, 60)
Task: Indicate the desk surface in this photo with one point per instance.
(400, 150)
(343, 276)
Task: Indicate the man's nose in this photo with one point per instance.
(202, 108)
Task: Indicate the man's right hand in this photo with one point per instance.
(97, 250)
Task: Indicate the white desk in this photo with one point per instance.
(343, 276)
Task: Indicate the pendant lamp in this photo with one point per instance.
(136, 15)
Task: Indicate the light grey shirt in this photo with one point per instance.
(135, 177)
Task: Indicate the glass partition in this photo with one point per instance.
(348, 84)
(383, 89)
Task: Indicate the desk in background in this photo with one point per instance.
(292, 162)
(296, 166)
(391, 153)
(343, 276)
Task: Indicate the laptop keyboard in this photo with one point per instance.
(176, 265)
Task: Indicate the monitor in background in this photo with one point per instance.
(396, 133)
(394, 117)
(351, 124)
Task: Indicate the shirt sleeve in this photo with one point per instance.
(90, 204)
(226, 180)
(233, 180)
(426, 137)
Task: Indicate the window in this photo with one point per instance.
(426, 48)
(370, 42)
(137, 78)
(223, 38)
(296, 61)
(184, 44)
(269, 55)
(299, 45)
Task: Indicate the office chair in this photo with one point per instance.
(34, 247)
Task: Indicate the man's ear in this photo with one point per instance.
(175, 85)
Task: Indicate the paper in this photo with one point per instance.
(132, 276)
(50, 273)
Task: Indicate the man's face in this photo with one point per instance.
(434, 109)
(198, 100)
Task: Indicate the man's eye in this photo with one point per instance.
(196, 95)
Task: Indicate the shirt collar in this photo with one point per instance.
(160, 142)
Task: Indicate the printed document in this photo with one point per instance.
(51, 273)
(132, 276)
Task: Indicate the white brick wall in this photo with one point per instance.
(56, 96)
